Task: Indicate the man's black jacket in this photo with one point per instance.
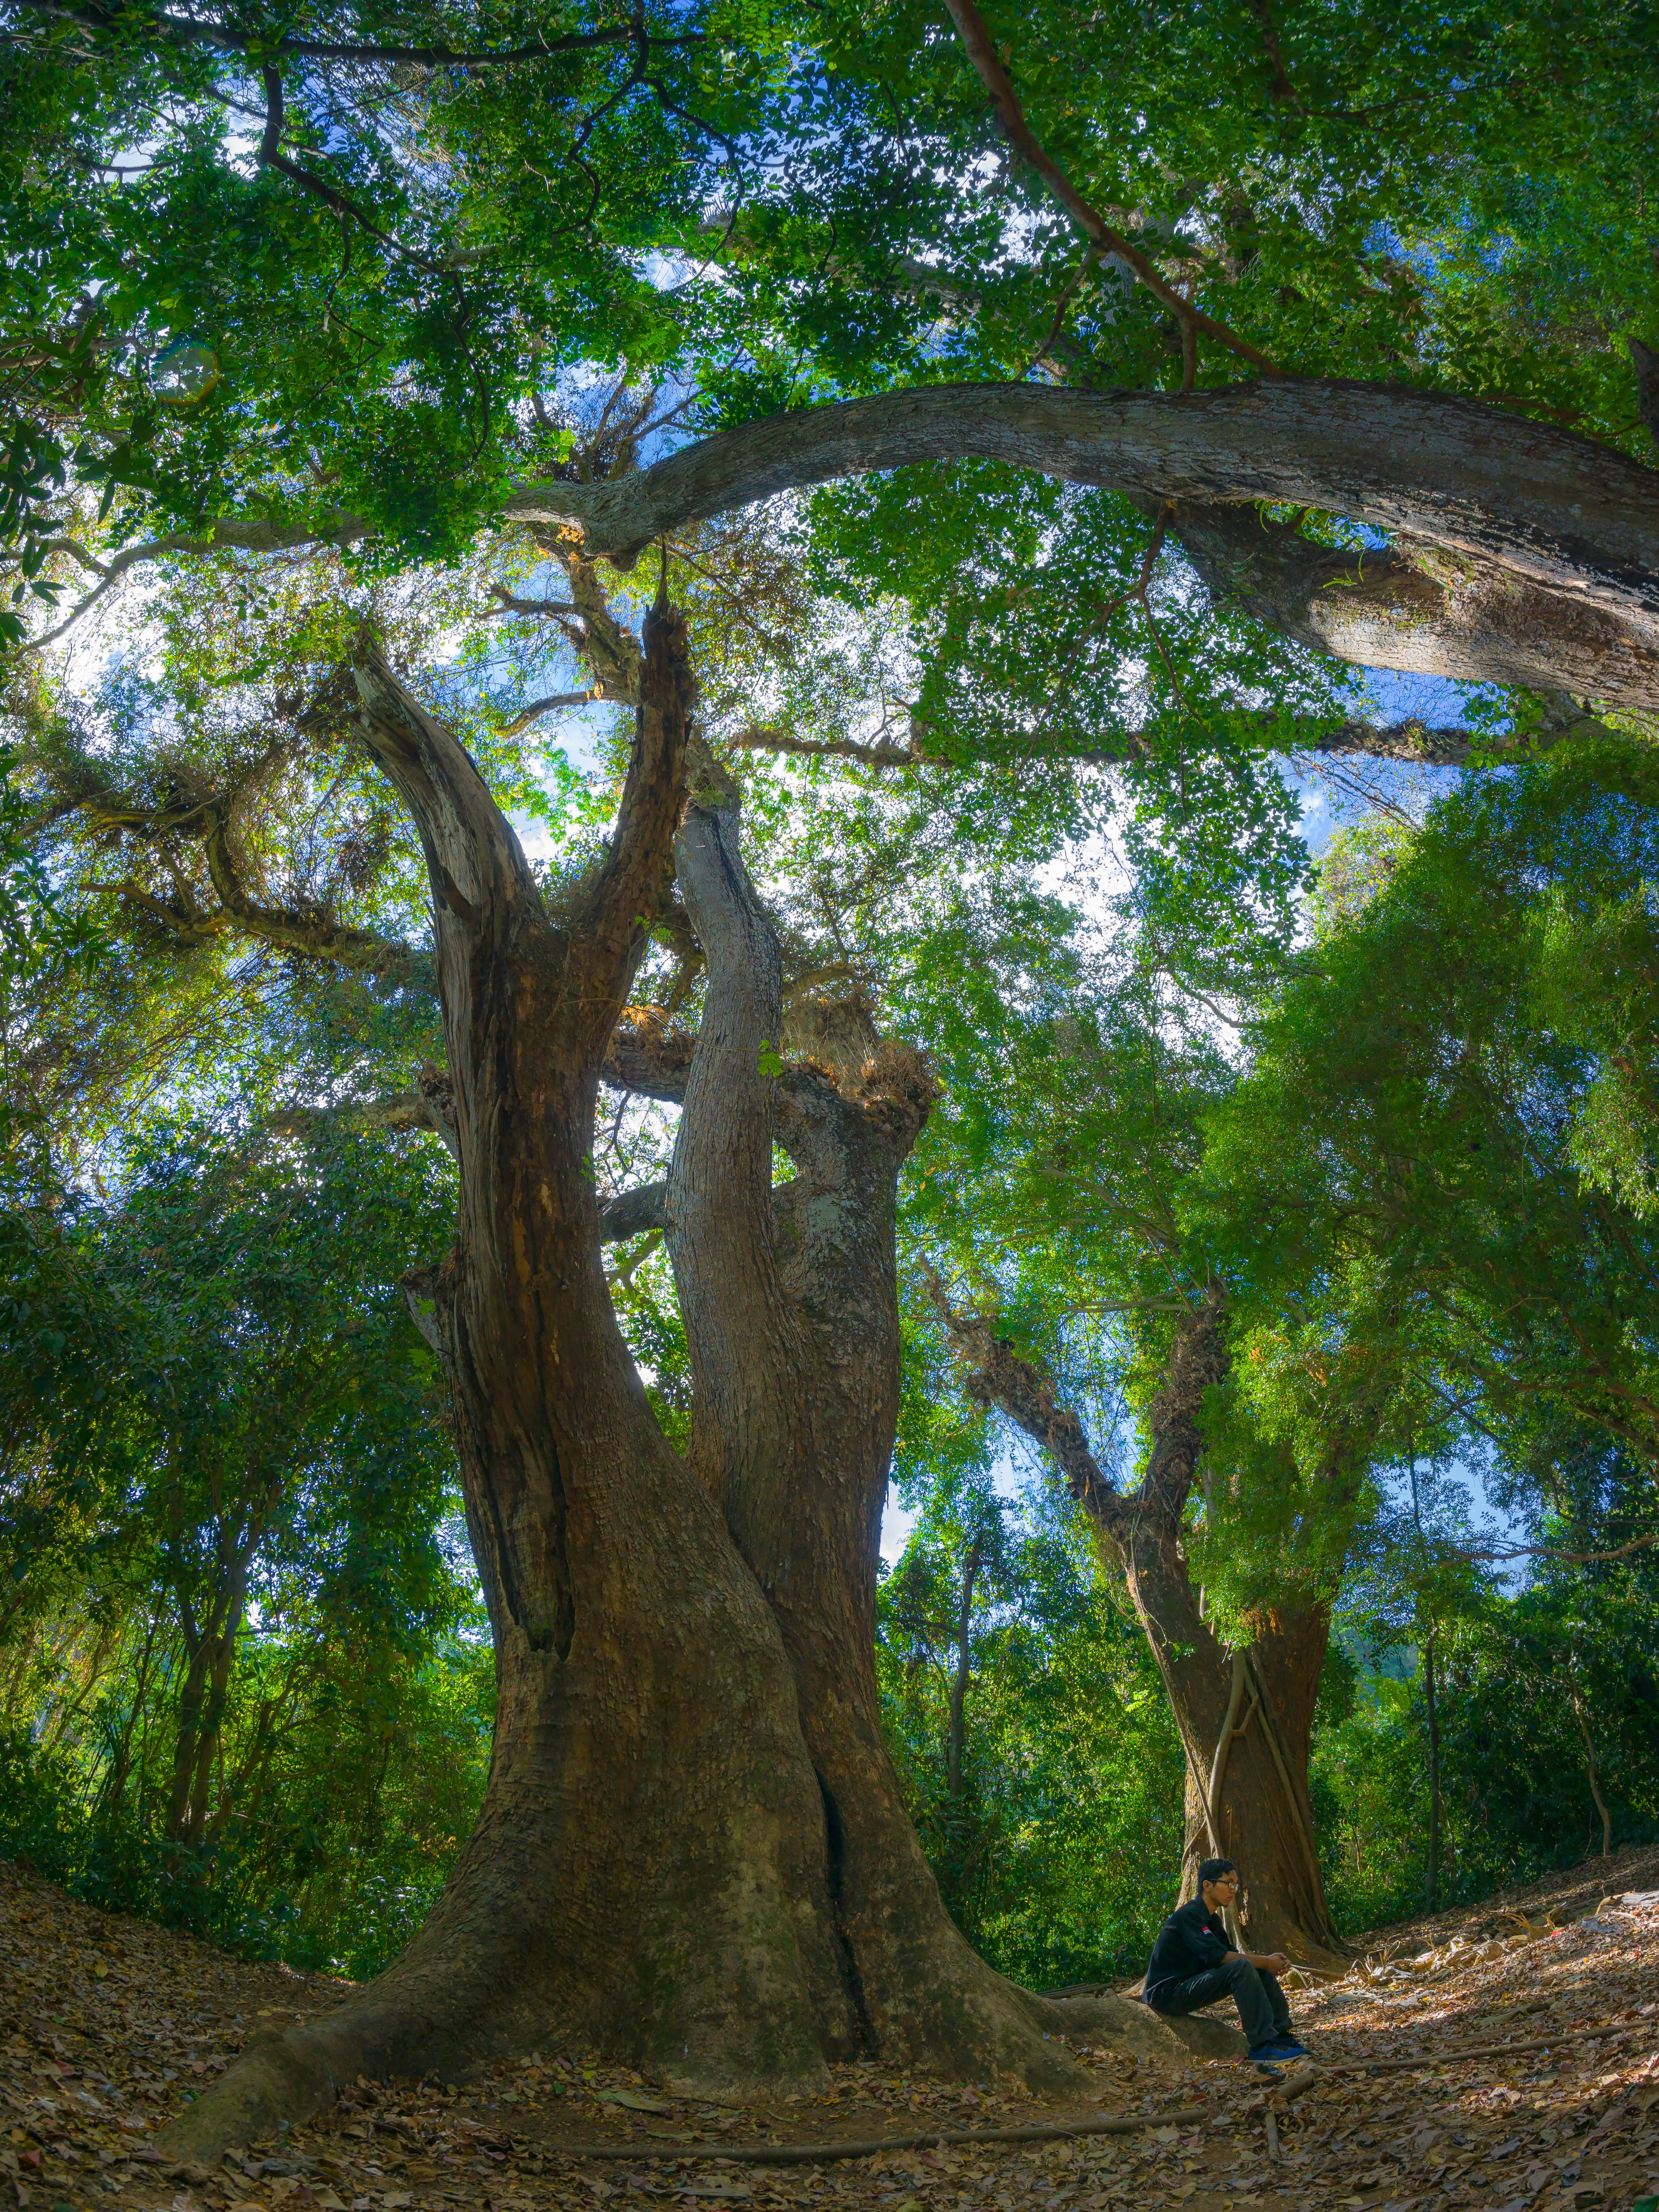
(1191, 1941)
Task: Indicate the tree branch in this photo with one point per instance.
(616, 917)
(430, 1106)
(256, 535)
(633, 1212)
(361, 948)
(544, 610)
(1412, 608)
(997, 1376)
(756, 739)
(270, 156)
(538, 707)
(647, 1058)
(1547, 573)
(1572, 516)
(976, 41)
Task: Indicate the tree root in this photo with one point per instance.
(827, 2153)
(283, 2079)
(1102, 2015)
(271, 2085)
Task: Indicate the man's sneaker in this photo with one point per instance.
(1287, 2046)
(1266, 2054)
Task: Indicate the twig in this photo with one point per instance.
(976, 39)
(1068, 292)
(1273, 2151)
(1548, 1552)
(937, 2138)
(270, 157)
(526, 715)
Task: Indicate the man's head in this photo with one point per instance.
(1218, 1883)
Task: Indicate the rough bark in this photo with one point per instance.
(1533, 553)
(1572, 515)
(1247, 1777)
(1576, 522)
(793, 1331)
(1419, 609)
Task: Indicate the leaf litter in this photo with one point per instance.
(107, 2025)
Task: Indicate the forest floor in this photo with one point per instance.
(106, 2025)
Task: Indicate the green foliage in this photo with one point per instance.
(245, 1658)
(1423, 1160)
(1515, 1794)
(359, 1777)
(1056, 1834)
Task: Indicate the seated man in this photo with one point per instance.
(1194, 1963)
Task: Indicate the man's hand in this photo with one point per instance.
(1270, 1962)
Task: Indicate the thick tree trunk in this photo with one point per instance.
(647, 1875)
(1245, 1718)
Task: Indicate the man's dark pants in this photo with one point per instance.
(1261, 2001)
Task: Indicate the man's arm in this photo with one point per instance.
(1266, 1962)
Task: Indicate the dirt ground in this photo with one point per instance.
(107, 2025)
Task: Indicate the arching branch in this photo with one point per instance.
(1572, 515)
(1514, 530)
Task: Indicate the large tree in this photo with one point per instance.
(1244, 1714)
(692, 1849)
(356, 328)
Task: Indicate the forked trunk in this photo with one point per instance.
(691, 1853)
(646, 1873)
